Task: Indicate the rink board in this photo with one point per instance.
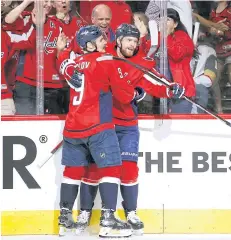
(173, 197)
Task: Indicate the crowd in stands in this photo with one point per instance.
(198, 60)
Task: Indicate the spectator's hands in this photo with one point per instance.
(226, 47)
(217, 33)
(212, 31)
(141, 26)
(220, 33)
(61, 42)
(33, 15)
(175, 91)
(221, 26)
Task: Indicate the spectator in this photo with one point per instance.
(180, 49)
(101, 17)
(202, 11)
(184, 10)
(7, 103)
(220, 26)
(10, 46)
(222, 40)
(25, 91)
(204, 70)
(121, 11)
(18, 20)
(70, 24)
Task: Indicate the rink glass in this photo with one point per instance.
(216, 98)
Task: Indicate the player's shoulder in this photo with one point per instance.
(143, 60)
(141, 57)
(93, 55)
(111, 48)
(89, 57)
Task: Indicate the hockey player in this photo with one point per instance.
(126, 122)
(89, 129)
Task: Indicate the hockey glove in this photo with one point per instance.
(140, 94)
(76, 80)
(175, 91)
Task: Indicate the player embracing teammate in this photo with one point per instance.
(101, 135)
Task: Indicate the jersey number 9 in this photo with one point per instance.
(79, 94)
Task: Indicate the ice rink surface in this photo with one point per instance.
(145, 237)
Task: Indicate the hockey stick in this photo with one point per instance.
(41, 164)
(161, 80)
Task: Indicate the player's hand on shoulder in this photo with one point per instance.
(148, 62)
(175, 91)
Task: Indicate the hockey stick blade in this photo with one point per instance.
(167, 84)
(42, 163)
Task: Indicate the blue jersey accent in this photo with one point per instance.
(105, 105)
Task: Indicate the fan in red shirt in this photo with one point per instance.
(180, 50)
(55, 86)
(70, 24)
(126, 125)
(222, 12)
(18, 20)
(7, 103)
(222, 40)
(10, 46)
